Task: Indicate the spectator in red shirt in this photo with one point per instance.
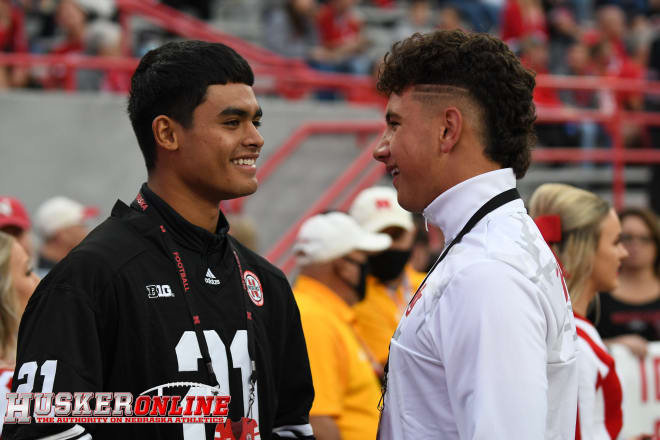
(522, 19)
(12, 39)
(104, 39)
(535, 57)
(72, 22)
(341, 35)
(611, 24)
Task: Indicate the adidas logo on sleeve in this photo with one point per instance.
(210, 278)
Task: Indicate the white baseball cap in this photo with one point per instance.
(61, 212)
(377, 208)
(325, 237)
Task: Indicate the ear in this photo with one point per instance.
(164, 130)
(452, 121)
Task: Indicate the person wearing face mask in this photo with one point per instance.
(584, 232)
(332, 251)
(391, 281)
(17, 283)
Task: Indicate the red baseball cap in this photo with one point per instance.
(13, 213)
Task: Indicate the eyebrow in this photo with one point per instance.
(241, 113)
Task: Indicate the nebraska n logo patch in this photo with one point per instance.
(253, 286)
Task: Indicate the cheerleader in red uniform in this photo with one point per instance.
(584, 232)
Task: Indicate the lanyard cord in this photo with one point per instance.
(251, 333)
(187, 295)
(490, 206)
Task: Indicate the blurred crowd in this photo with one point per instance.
(569, 37)
(60, 27)
(572, 37)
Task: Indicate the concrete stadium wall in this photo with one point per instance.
(82, 146)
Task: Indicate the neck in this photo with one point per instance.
(582, 304)
(344, 291)
(77, 33)
(466, 164)
(53, 251)
(637, 274)
(194, 208)
(396, 282)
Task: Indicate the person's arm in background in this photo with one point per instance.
(636, 343)
(325, 428)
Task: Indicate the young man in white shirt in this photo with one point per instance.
(486, 347)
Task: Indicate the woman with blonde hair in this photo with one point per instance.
(584, 233)
(17, 283)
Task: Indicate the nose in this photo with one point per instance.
(382, 151)
(253, 138)
(623, 252)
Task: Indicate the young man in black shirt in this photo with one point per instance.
(159, 298)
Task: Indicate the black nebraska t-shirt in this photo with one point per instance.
(112, 317)
(621, 318)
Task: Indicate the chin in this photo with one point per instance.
(408, 203)
(608, 287)
(242, 192)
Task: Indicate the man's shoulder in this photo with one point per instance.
(101, 255)
(515, 240)
(114, 242)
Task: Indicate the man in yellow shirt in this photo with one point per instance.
(392, 281)
(332, 254)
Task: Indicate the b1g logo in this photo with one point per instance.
(159, 291)
(253, 286)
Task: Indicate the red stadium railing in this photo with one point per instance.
(364, 171)
(288, 77)
(329, 198)
(187, 26)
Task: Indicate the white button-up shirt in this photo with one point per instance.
(487, 348)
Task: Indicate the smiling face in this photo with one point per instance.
(408, 148)
(609, 254)
(216, 155)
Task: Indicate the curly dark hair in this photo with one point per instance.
(487, 68)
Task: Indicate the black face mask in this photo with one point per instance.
(389, 264)
(360, 287)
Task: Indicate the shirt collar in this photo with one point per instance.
(188, 234)
(452, 209)
(324, 296)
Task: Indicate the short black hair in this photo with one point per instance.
(488, 70)
(172, 80)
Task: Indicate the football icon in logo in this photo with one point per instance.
(253, 286)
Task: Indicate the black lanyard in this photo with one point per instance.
(177, 259)
(490, 206)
